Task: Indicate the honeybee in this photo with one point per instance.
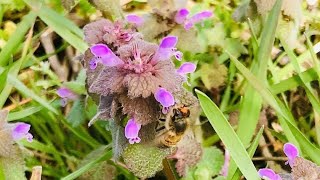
(172, 127)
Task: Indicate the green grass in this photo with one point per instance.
(255, 81)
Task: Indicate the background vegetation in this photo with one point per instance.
(256, 79)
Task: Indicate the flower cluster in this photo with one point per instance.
(180, 17)
(131, 78)
(301, 168)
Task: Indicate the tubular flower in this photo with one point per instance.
(135, 19)
(132, 131)
(104, 31)
(181, 18)
(136, 70)
(20, 131)
(66, 94)
(268, 174)
(291, 152)
(165, 98)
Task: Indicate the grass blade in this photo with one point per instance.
(16, 38)
(228, 136)
(26, 91)
(107, 155)
(283, 113)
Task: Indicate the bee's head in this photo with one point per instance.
(182, 112)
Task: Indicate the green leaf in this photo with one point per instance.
(285, 117)
(212, 161)
(228, 136)
(77, 114)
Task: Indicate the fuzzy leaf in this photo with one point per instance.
(216, 36)
(187, 40)
(99, 171)
(214, 75)
(13, 165)
(110, 8)
(144, 161)
(209, 165)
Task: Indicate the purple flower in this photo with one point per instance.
(134, 19)
(291, 152)
(186, 68)
(268, 174)
(103, 53)
(66, 94)
(181, 18)
(165, 98)
(167, 49)
(131, 131)
(20, 131)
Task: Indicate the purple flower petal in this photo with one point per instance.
(200, 16)
(93, 63)
(186, 68)
(181, 16)
(197, 18)
(169, 42)
(131, 131)
(166, 48)
(20, 131)
(268, 174)
(134, 19)
(64, 92)
(188, 25)
(100, 50)
(108, 58)
(164, 97)
(291, 152)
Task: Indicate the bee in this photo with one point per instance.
(172, 127)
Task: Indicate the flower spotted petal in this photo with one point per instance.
(186, 68)
(178, 55)
(100, 50)
(164, 97)
(268, 174)
(108, 58)
(134, 19)
(166, 48)
(291, 152)
(132, 131)
(181, 16)
(93, 63)
(20, 131)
